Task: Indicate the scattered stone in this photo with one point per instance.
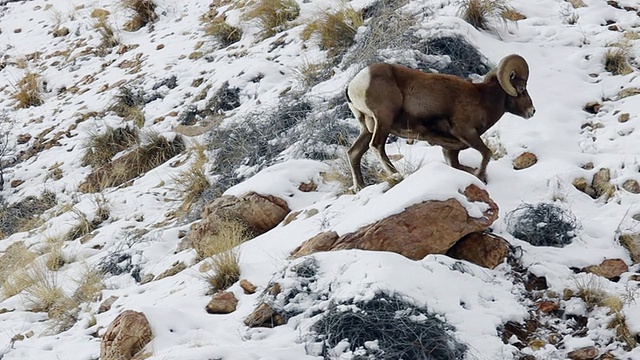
(59, 32)
(23, 138)
(601, 183)
(586, 353)
(264, 316)
(134, 24)
(547, 306)
(576, 3)
(275, 289)
(247, 286)
(100, 13)
(308, 187)
(624, 117)
(147, 278)
(406, 234)
(613, 28)
(125, 336)
(106, 304)
(610, 268)
(525, 160)
(16, 182)
(588, 166)
(631, 186)
(160, 47)
(536, 283)
(632, 243)
(482, 249)
(222, 303)
(290, 217)
(593, 107)
(177, 267)
(628, 92)
(537, 344)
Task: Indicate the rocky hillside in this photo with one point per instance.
(174, 184)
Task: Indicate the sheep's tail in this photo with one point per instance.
(346, 93)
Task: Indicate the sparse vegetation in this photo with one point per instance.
(310, 74)
(28, 91)
(108, 34)
(400, 331)
(15, 258)
(128, 105)
(225, 256)
(543, 224)
(336, 30)
(616, 59)
(479, 13)
(101, 147)
(225, 33)
(272, 15)
(82, 227)
(192, 182)
(155, 151)
(143, 13)
(24, 215)
(55, 257)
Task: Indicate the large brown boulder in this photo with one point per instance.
(430, 227)
(126, 336)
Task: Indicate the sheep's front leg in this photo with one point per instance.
(378, 142)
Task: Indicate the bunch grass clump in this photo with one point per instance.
(28, 91)
(109, 38)
(15, 258)
(616, 59)
(399, 331)
(224, 32)
(222, 248)
(273, 16)
(479, 13)
(544, 224)
(100, 148)
(336, 29)
(143, 13)
(128, 105)
(192, 182)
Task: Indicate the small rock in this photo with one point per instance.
(222, 303)
(308, 187)
(23, 138)
(592, 107)
(290, 217)
(126, 336)
(275, 289)
(537, 344)
(59, 32)
(106, 304)
(525, 160)
(631, 186)
(613, 28)
(482, 249)
(547, 306)
(623, 118)
(536, 283)
(247, 286)
(177, 267)
(160, 47)
(610, 268)
(586, 353)
(264, 316)
(16, 182)
(147, 278)
(576, 3)
(601, 183)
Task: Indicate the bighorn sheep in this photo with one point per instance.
(441, 109)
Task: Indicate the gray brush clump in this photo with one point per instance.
(399, 331)
(543, 224)
(464, 58)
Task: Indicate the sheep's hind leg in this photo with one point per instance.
(473, 140)
(355, 153)
(451, 156)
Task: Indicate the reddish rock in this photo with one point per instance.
(525, 160)
(16, 182)
(264, 316)
(125, 336)
(431, 227)
(610, 268)
(247, 286)
(106, 305)
(222, 303)
(547, 306)
(23, 138)
(482, 249)
(586, 353)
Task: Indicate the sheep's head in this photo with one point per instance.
(512, 74)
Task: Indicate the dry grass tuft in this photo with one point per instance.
(108, 35)
(336, 30)
(28, 91)
(89, 286)
(100, 148)
(192, 182)
(154, 152)
(143, 13)
(591, 291)
(219, 28)
(310, 74)
(128, 105)
(15, 258)
(273, 16)
(83, 226)
(225, 256)
(616, 59)
(55, 257)
(479, 13)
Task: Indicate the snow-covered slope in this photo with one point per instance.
(172, 63)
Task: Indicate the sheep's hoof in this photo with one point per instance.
(354, 189)
(394, 179)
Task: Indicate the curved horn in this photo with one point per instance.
(510, 66)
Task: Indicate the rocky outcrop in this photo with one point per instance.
(125, 336)
(430, 227)
(484, 249)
